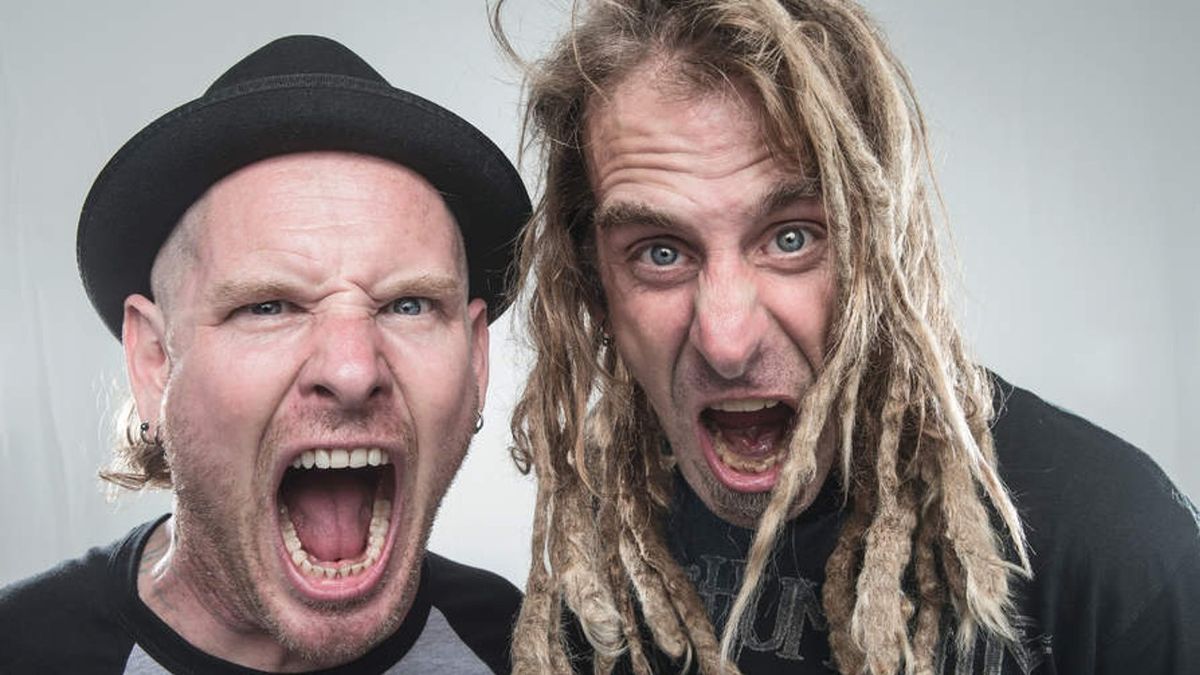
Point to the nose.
(729, 322)
(346, 366)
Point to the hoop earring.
(143, 428)
(478, 421)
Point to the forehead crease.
(669, 135)
(784, 193)
(709, 137)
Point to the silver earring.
(478, 421)
(143, 428)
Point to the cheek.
(231, 392)
(651, 329)
(804, 309)
(441, 397)
(651, 334)
(437, 384)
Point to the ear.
(477, 318)
(147, 363)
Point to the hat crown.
(302, 93)
(294, 55)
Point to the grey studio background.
(1064, 133)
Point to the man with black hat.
(301, 265)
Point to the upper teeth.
(340, 459)
(745, 405)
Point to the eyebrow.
(781, 195)
(788, 192)
(624, 214)
(426, 284)
(239, 291)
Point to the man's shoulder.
(1115, 544)
(1045, 449)
(470, 594)
(480, 606)
(66, 616)
(443, 570)
(1086, 495)
(58, 588)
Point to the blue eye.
(410, 306)
(268, 308)
(791, 239)
(662, 255)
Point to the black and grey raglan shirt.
(85, 616)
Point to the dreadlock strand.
(657, 609)
(972, 545)
(633, 513)
(930, 591)
(682, 594)
(633, 638)
(964, 443)
(846, 414)
(534, 631)
(878, 624)
(585, 593)
(838, 591)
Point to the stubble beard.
(738, 508)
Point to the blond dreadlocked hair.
(908, 410)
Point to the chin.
(324, 639)
(324, 632)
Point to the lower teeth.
(742, 463)
(380, 521)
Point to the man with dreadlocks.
(760, 442)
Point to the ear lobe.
(477, 318)
(144, 337)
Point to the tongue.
(331, 511)
(751, 434)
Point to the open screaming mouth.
(749, 435)
(335, 510)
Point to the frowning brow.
(237, 292)
(242, 291)
(430, 285)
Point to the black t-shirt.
(85, 616)
(1115, 554)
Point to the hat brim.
(147, 186)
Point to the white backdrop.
(1065, 135)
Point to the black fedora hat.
(299, 93)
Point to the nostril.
(323, 391)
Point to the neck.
(177, 588)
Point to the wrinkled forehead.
(678, 78)
(373, 213)
(314, 192)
